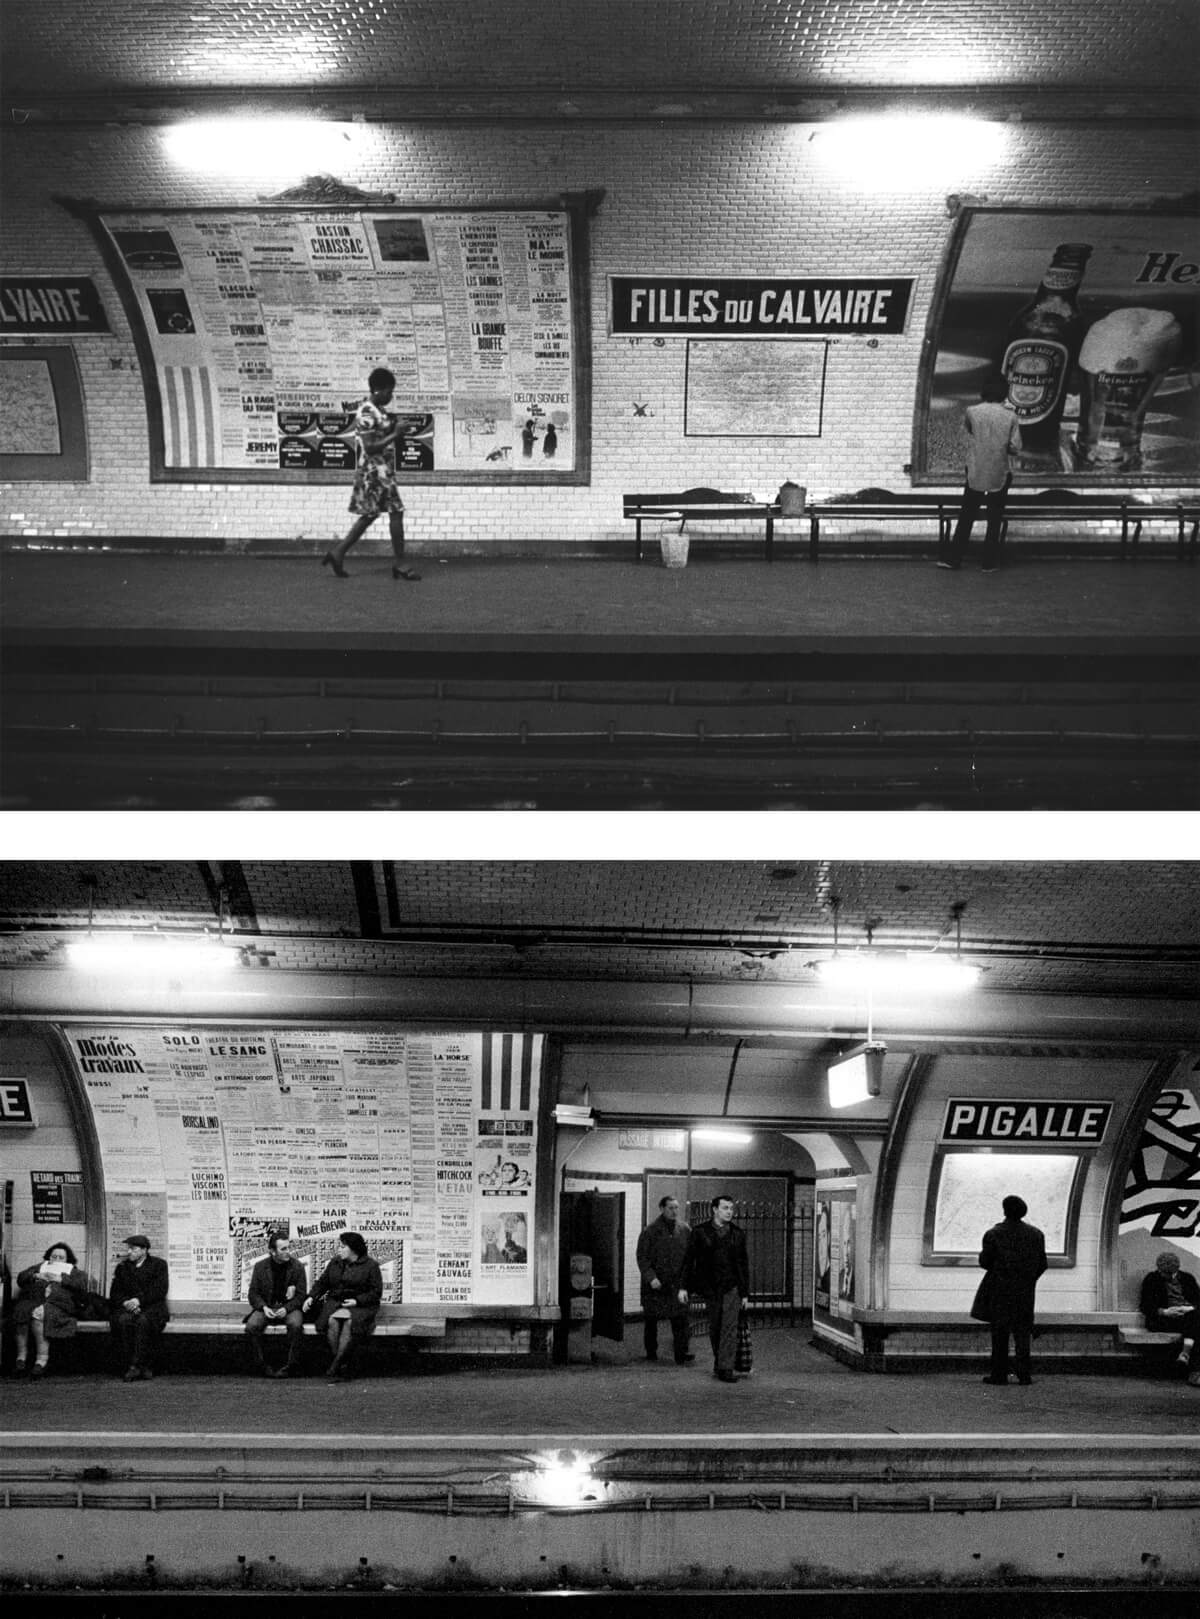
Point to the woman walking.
(375, 488)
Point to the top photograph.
(589, 407)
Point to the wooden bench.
(208, 1318)
(1047, 505)
(702, 506)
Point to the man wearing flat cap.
(137, 1303)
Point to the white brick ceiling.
(1040, 927)
(66, 48)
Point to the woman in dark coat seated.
(51, 1296)
(349, 1291)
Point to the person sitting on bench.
(1170, 1302)
(278, 1285)
(137, 1302)
(349, 1292)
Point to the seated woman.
(50, 1298)
(349, 1291)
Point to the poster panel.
(1091, 316)
(261, 326)
(835, 1228)
(421, 1142)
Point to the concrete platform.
(805, 1474)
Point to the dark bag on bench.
(791, 499)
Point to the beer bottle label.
(1036, 369)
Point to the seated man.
(138, 1305)
(278, 1288)
(1170, 1302)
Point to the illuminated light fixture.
(911, 150)
(731, 1138)
(151, 955)
(254, 146)
(857, 1074)
(909, 970)
(562, 1478)
(569, 1113)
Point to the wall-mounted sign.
(16, 1104)
(755, 306)
(1023, 1122)
(57, 1196)
(35, 305)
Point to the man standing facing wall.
(1014, 1256)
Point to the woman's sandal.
(330, 561)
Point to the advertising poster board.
(1091, 315)
(258, 328)
(421, 1142)
(835, 1231)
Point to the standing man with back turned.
(661, 1255)
(718, 1268)
(1014, 1256)
(993, 438)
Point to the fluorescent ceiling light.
(911, 151)
(732, 1138)
(149, 954)
(915, 970)
(251, 146)
(857, 1075)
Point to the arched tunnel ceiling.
(1052, 928)
(483, 59)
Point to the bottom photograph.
(673, 1231)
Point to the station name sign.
(16, 1104)
(971, 1120)
(753, 306)
(32, 305)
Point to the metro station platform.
(218, 681)
(637, 1476)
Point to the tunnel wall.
(715, 199)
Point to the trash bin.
(673, 542)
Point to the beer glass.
(1123, 359)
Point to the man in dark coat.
(718, 1268)
(1014, 1256)
(1170, 1302)
(278, 1286)
(138, 1304)
(661, 1255)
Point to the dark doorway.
(593, 1223)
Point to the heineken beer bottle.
(1040, 353)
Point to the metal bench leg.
(770, 538)
(814, 537)
(638, 542)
